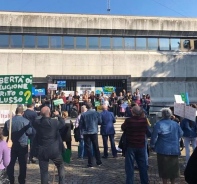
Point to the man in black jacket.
(31, 115)
(49, 143)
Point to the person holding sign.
(189, 134)
(20, 130)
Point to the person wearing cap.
(135, 129)
(20, 130)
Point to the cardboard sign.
(179, 109)
(58, 102)
(190, 113)
(52, 87)
(15, 89)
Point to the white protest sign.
(179, 109)
(52, 87)
(4, 116)
(68, 92)
(178, 99)
(190, 113)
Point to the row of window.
(90, 43)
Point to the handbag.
(66, 154)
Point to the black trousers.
(88, 139)
(31, 138)
(44, 164)
(21, 153)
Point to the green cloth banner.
(16, 89)
(58, 102)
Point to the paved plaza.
(111, 172)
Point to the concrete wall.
(96, 21)
(160, 75)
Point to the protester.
(189, 135)
(107, 130)
(190, 172)
(88, 123)
(50, 145)
(21, 129)
(135, 129)
(165, 142)
(4, 158)
(80, 135)
(66, 130)
(31, 115)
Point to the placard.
(190, 113)
(52, 87)
(15, 89)
(178, 99)
(83, 86)
(58, 102)
(4, 116)
(179, 109)
(61, 84)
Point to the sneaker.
(89, 166)
(99, 164)
(104, 156)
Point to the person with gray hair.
(165, 142)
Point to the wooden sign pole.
(10, 127)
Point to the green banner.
(183, 96)
(16, 89)
(58, 102)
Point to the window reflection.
(175, 44)
(80, 42)
(140, 43)
(42, 41)
(152, 44)
(93, 43)
(4, 41)
(105, 43)
(55, 42)
(117, 44)
(129, 43)
(29, 41)
(164, 44)
(16, 41)
(68, 42)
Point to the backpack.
(74, 113)
(77, 134)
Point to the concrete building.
(155, 54)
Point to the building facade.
(158, 55)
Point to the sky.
(168, 8)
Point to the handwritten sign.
(179, 109)
(4, 116)
(190, 113)
(178, 99)
(58, 102)
(15, 89)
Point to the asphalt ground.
(111, 172)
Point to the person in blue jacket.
(107, 130)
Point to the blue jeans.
(105, 145)
(187, 141)
(81, 148)
(137, 154)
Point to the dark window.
(187, 44)
(93, 43)
(29, 41)
(16, 41)
(117, 44)
(175, 44)
(68, 42)
(4, 41)
(140, 43)
(195, 44)
(55, 42)
(129, 43)
(80, 42)
(42, 41)
(164, 44)
(152, 44)
(105, 43)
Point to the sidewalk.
(111, 172)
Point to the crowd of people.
(47, 127)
